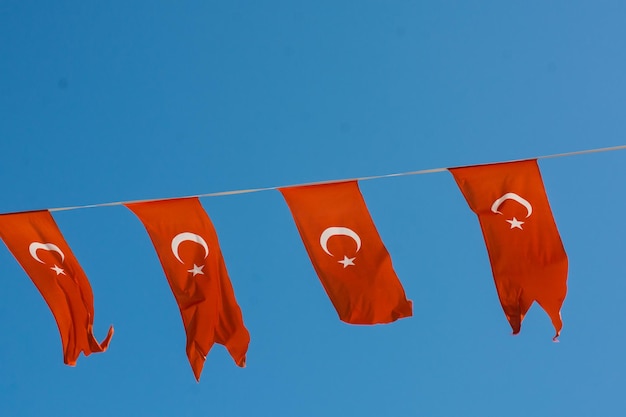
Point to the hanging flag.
(347, 252)
(525, 250)
(38, 245)
(187, 246)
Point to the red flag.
(347, 252)
(525, 250)
(38, 245)
(187, 246)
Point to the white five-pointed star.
(196, 270)
(58, 270)
(515, 223)
(347, 261)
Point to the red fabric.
(38, 245)
(347, 252)
(527, 256)
(187, 246)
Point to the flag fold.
(527, 257)
(187, 246)
(36, 242)
(347, 252)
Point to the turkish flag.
(347, 252)
(38, 245)
(187, 246)
(526, 254)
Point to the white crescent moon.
(192, 237)
(45, 246)
(338, 231)
(514, 197)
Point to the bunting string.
(364, 289)
(367, 178)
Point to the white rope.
(373, 177)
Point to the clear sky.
(137, 100)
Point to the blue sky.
(118, 101)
